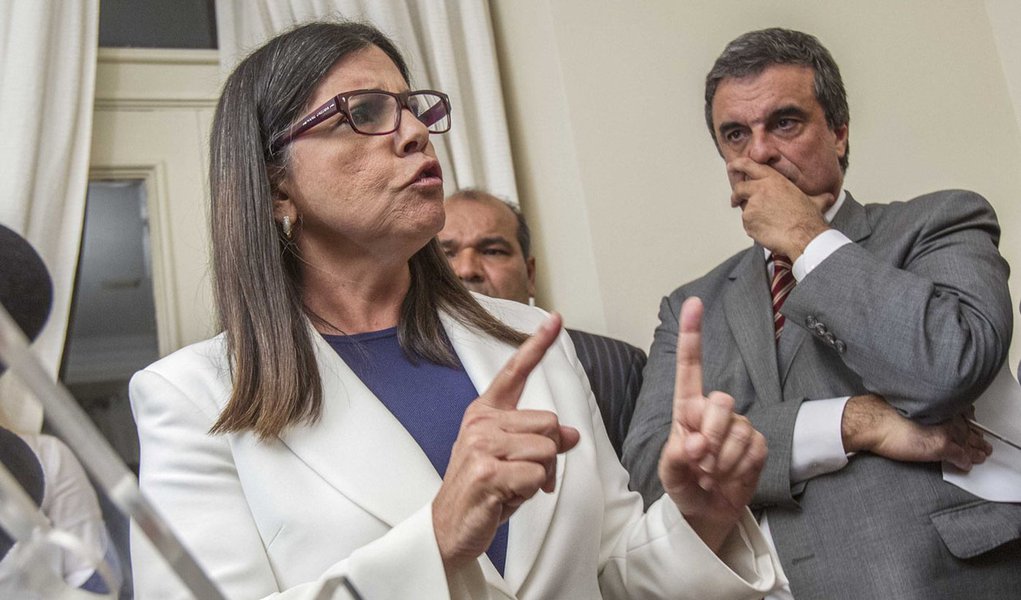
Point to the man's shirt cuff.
(818, 446)
(818, 250)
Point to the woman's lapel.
(360, 448)
(482, 358)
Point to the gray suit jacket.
(917, 310)
(614, 370)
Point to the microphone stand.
(18, 514)
(26, 523)
(119, 484)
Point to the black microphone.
(19, 459)
(27, 293)
(26, 290)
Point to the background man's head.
(488, 244)
(752, 53)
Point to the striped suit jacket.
(614, 370)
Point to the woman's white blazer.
(351, 495)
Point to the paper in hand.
(999, 477)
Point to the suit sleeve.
(191, 478)
(632, 387)
(925, 324)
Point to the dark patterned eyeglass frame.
(436, 113)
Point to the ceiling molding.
(157, 79)
(154, 56)
(147, 103)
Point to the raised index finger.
(504, 391)
(688, 381)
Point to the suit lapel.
(750, 317)
(791, 339)
(852, 221)
(360, 448)
(364, 452)
(482, 358)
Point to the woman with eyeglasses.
(363, 415)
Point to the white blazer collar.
(360, 448)
(364, 452)
(483, 357)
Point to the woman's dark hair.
(751, 53)
(257, 271)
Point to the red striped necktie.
(782, 284)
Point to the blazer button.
(830, 338)
(810, 321)
(820, 328)
(841, 346)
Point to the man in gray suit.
(892, 320)
(488, 243)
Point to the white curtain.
(47, 80)
(448, 45)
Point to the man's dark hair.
(524, 234)
(751, 53)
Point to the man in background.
(854, 337)
(488, 244)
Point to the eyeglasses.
(376, 112)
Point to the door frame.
(149, 85)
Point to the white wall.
(618, 174)
(1005, 18)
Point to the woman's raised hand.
(501, 458)
(712, 459)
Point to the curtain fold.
(449, 46)
(47, 82)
